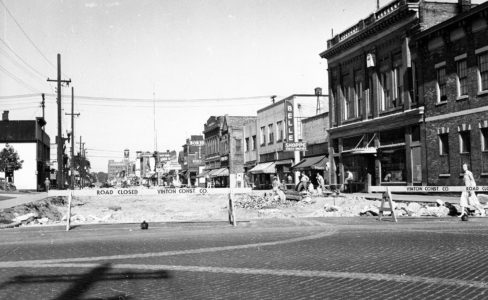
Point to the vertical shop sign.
(289, 118)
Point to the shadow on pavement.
(83, 282)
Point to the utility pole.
(43, 106)
(72, 164)
(59, 138)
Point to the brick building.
(453, 77)
(224, 150)
(376, 112)
(278, 124)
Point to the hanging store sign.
(296, 146)
(289, 118)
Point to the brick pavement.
(360, 259)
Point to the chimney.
(5, 115)
(464, 5)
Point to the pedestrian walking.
(348, 181)
(276, 183)
(469, 197)
(320, 182)
(47, 183)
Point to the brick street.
(326, 258)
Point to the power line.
(27, 36)
(14, 77)
(21, 59)
(175, 100)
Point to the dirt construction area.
(194, 208)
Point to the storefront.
(219, 177)
(261, 175)
(311, 166)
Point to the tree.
(82, 165)
(9, 160)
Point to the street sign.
(294, 146)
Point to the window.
(347, 103)
(279, 129)
(462, 77)
(397, 87)
(484, 139)
(483, 71)
(385, 93)
(444, 144)
(253, 142)
(441, 84)
(358, 95)
(444, 154)
(270, 134)
(246, 141)
(263, 136)
(238, 145)
(464, 141)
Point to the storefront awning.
(312, 163)
(284, 162)
(203, 174)
(264, 168)
(219, 172)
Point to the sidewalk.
(20, 198)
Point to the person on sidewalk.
(47, 184)
(348, 182)
(320, 182)
(469, 197)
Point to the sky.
(142, 69)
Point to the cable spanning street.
(325, 258)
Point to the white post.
(232, 216)
(68, 217)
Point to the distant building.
(279, 131)
(316, 158)
(192, 158)
(250, 149)
(32, 144)
(376, 107)
(224, 153)
(116, 169)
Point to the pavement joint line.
(27, 263)
(284, 272)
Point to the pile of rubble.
(267, 200)
(46, 211)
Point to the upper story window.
(397, 87)
(358, 94)
(441, 83)
(263, 135)
(385, 92)
(253, 142)
(270, 134)
(484, 139)
(483, 69)
(462, 75)
(247, 146)
(465, 141)
(444, 144)
(279, 130)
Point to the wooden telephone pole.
(59, 138)
(72, 153)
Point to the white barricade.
(162, 192)
(427, 189)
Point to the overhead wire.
(32, 69)
(27, 36)
(18, 80)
